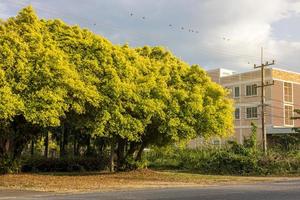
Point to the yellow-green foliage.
(39, 73)
(52, 72)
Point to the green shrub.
(41, 164)
(132, 164)
(234, 159)
(9, 165)
(165, 157)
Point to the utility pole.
(263, 105)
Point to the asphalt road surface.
(262, 191)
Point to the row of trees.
(78, 86)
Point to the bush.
(41, 164)
(131, 164)
(164, 158)
(226, 162)
(9, 165)
(234, 159)
(219, 161)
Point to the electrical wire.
(225, 52)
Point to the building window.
(237, 113)
(288, 114)
(236, 91)
(251, 112)
(251, 90)
(288, 92)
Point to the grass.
(103, 181)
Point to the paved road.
(263, 191)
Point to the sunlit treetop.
(51, 73)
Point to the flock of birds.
(182, 28)
(171, 25)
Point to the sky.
(211, 33)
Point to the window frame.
(285, 117)
(239, 93)
(253, 87)
(239, 113)
(251, 117)
(291, 96)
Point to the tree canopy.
(70, 80)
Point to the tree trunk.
(32, 148)
(88, 144)
(120, 153)
(64, 141)
(4, 145)
(75, 144)
(140, 152)
(132, 149)
(112, 152)
(101, 146)
(77, 153)
(46, 145)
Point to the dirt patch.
(103, 181)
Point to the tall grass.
(233, 159)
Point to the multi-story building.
(281, 99)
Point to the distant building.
(281, 98)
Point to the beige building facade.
(281, 99)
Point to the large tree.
(38, 78)
(79, 85)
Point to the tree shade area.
(71, 86)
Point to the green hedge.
(9, 165)
(41, 164)
(233, 160)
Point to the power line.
(262, 86)
(49, 11)
(93, 23)
(243, 57)
(269, 99)
(117, 28)
(103, 24)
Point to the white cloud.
(246, 25)
(3, 11)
